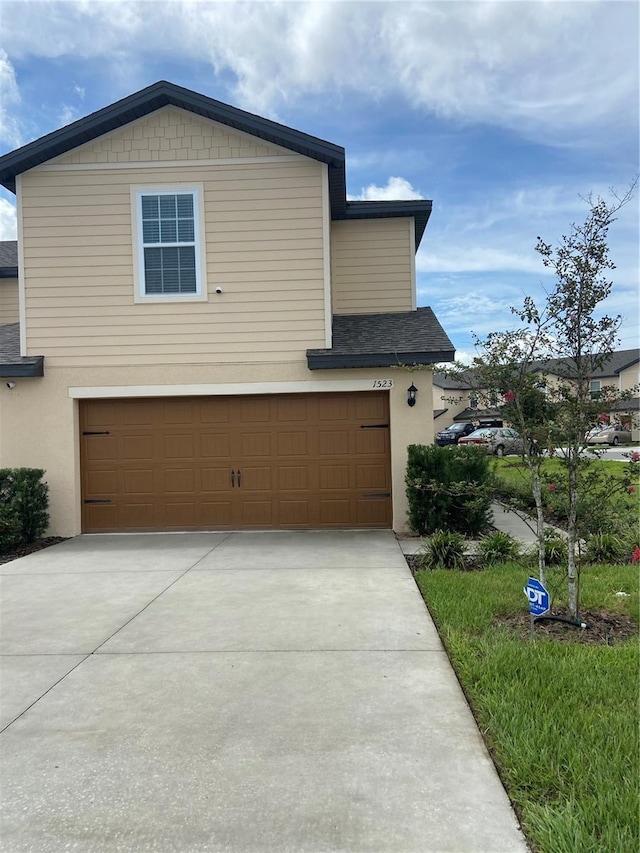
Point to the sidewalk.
(503, 519)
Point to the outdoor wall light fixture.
(411, 392)
(11, 385)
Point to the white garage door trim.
(230, 389)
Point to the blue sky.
(503, 113)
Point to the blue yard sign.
(538, 597)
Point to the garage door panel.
(215, 445)
(139, 481)
(100, 447)
(372, 477)
(215, 479)
(292, 443)
(179, 480)
(371, 442)
(136, 447)
(294, 513)
(255, 444)
(256, 513)
(334, 408)
(336, 512)
(334, 477)
(216, 514)
(139, 413)
(313, 460)
(293, 477)
(371, 512)
(333, 443)
(178, 412)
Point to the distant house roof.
(441, 380)
(8, 258)
(11, 363)
(384, 340)
(619, 361)
(162, 94)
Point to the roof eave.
(149, 100)
(21, 369)
(334, 361)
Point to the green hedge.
(448, 488)
(24, 506)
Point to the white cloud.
(9, 126)
(8, 226)
(553, 71)
(396, 189)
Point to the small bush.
(498, 547)
(443, 550)
(605, 548)
(24, 506)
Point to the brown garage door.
(227, 463)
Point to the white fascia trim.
(412, 247)
(326, 257)
(229, 389)
(170, 164)
(22, 302)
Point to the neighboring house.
(209, 335)
(456, 402)
(621, 372)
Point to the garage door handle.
(239, 478)
(233, 478)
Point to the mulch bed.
(604, 627)
(31, 548)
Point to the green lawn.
(559, 718)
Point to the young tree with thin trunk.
(543, 369)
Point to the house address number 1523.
(382, 383)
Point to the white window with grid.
(169, 251)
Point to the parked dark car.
(453, 433)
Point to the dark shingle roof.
(162, 94)
(441, 380)
(8, 258)
(384, 340)
(616, 364)
(11, 363)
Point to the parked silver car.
(500, 441)
(613, 434)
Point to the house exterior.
(202, 333)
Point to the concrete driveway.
(235, 692)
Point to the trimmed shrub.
(443, 550)
(448, 488)
(24, 506)
(498, 547)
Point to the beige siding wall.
(264, 247)
(52, 442)
(372, 266)
(9, 300)
(630, 377)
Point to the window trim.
(594, 393)
(197, 191)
